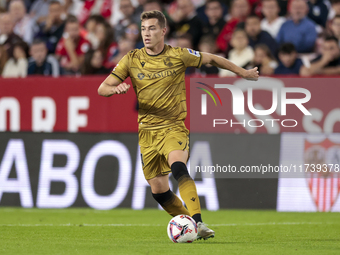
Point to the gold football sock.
(187, 189)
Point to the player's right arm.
(112, 85)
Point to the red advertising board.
(70, 104)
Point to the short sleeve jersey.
(159, 83)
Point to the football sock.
(197, 217)
(187, 189)
(170, 203)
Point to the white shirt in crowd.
(274, 27)
(14, 69)
(238, 58)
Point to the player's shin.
(187, 189)
(170, 203)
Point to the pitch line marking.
(158, 225)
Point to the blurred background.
(62, 145)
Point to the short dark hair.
(37, 41)
(335, 1)
(271, 0)
(71, 19)
(331, 38)
(287, 48)
(253, 16)
(54, 2)
(212, 1)
(154, 15)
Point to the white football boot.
(204, 232)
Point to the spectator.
(258, 36)
(107, 45)
(272, 22)
(202, 14)
(23, 23)
(241, 54)
(335, 27)
(318, 12)
(207, 44)
(39, 10)
(40, 63)
(130, 16)
(3, 58)
(124, 46)
(300, 30)
(328, 63)
(187, 21)
(93, 63)
(132, 33)
(215, 23)
(335, 9)
(52, 29)
(91, 7)
(90, 27)
(264, 60)
(289, 63)
(16, 66)
(72, 47)
(239, 10)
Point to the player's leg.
(177, 161)
(187, 189)
(165, 197)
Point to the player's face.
(152, 33)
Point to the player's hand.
(251, 75)
(121, 88)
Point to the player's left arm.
(224, 63)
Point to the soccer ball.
(182, 229)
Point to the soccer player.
(157, 75)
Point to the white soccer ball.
(182, 229)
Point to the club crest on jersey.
(168, 62)
(141, 76)
(193, 52)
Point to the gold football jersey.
(158, 81)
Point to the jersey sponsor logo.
(141, 76)
(168, 62)
(161, 74)
(193, 52)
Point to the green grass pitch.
(125, 231)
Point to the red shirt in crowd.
(82, 47)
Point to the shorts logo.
(141, 76)
(180, 143)
(193, 52)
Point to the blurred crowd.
(87, 37)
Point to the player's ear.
(164, 31)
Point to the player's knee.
(179, 169)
